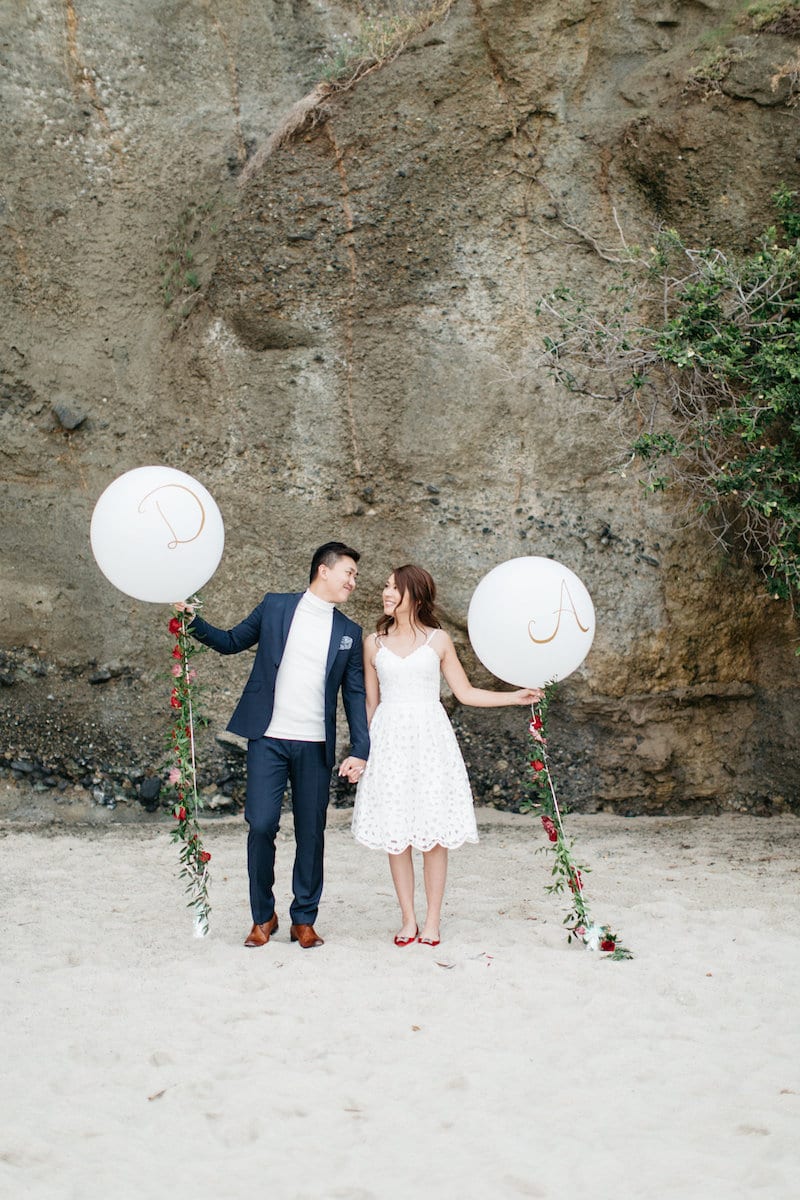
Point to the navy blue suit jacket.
(268, 625)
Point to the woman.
(414, 790)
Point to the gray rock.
(231, 741)
(149, 792)
(218, 802)
(68, 415)
(754, 74)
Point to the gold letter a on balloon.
(561, 609)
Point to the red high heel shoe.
(406, 941)
(428, 941)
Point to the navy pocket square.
(345, 643)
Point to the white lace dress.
(415, 790)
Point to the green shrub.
(716, 379)
(379, 38)
(772, 12)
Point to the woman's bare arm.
(463, 690)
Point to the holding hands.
(352, 769)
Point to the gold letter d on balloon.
(561, 609)
(175, 541)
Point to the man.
(307, 652)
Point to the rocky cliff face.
(338, 336)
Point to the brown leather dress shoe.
(259, 935)
(306, 936)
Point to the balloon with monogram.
(157, 535)
(531, 622)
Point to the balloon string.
(191, 718)
(200, 930)
(577, 879)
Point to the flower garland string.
(568, 873)
(183, 777)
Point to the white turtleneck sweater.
(299, 712)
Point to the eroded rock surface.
(346, 345)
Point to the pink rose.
(174, 775)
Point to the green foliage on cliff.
(766, 14)
(714, 372)
(730, 41)
(379, 37)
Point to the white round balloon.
(531, 621)
(157, 534)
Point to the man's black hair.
(329, 554)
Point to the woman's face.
(393, 602)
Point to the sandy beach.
(142, 1062)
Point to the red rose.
(607, 944)
(575, 883)
(180, 815)
(177, 652)
(175, 626)
(175, 699)
(550, 828)
(205, 857)
(537, 764)
(536, 723)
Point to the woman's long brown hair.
(421, 590)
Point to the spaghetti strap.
(430, 636)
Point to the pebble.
(67, 416)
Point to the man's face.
(335, 583)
